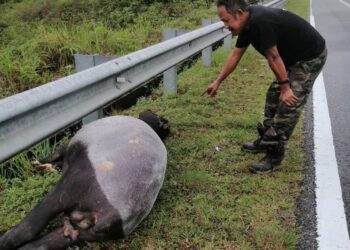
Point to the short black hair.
(232, 5)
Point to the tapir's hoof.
(69, 231)
(45, 168)
(83, 220)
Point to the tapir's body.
(128, 159)
(113, 170)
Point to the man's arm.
(228, 68)
(277, 66)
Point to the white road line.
(346, 3)
(331, 220)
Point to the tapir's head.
(159, 124)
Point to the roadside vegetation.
(39, 38)
(209, 199)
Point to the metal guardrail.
(30, 116)
(274, 3)
(33, 115)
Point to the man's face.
(235, 22)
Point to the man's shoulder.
(260, 13)
(261, 10)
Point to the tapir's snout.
(159, 124)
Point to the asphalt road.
(332, 18)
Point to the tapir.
(112, 172)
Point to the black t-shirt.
(295, 38)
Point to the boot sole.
(272, 143)
(254, 171)
(253, 151)
(275, 167)
(269, 143)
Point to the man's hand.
(287, 96)
(211, 89)
(279, 69)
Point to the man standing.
(295, 52)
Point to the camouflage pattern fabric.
(302, 76)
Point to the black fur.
(76, 190)
(159, 124)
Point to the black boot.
(256, 147)
(273, 158)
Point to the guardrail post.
(83, 62)
(170, 75)
(228, 42)
(207, 52)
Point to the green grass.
(42, 36)
(301, 8)
(209, 199)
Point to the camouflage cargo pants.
(302, 76)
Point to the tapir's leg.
(108, 227)
(77, 189)
(53, 240)
(56, 158)
(36, 220)
(56, 240)
(104, 223)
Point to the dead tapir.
(113, 169)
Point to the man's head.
(234, 14)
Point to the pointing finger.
(205, 91)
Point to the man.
(295, 52)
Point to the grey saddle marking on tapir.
(113, 170)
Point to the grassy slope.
(35, 49)
(209, 200)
